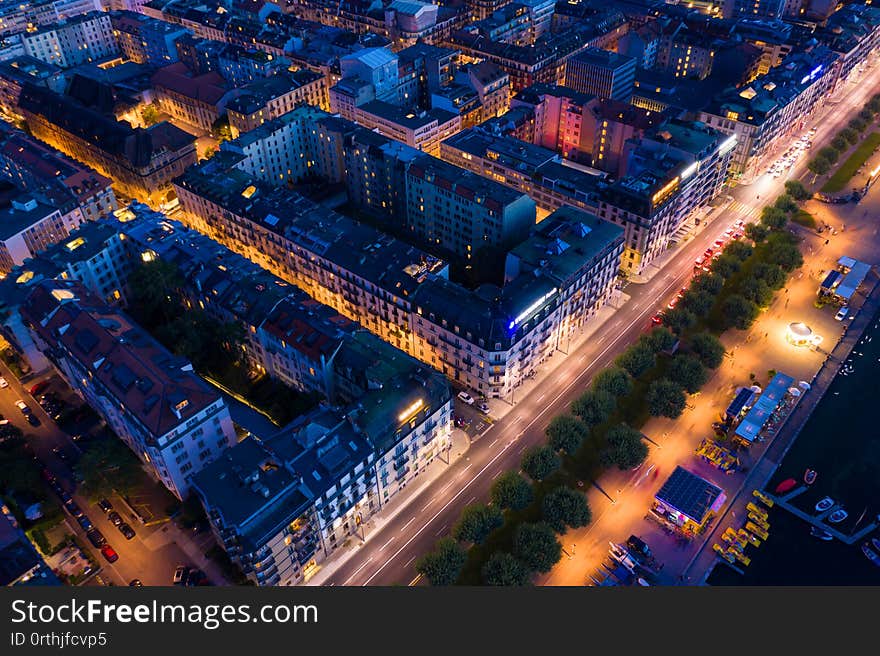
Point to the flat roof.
(689, 494)
(764, 407)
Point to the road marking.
(409, 561)
(366, 562)
(541, 397)
(443, 528)
(411, 520)
(386, 544)
(415, 580)
(471, 500)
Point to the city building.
(601, 73)
(240, 66)
(419, 129)
(70, 42)
(28, 226)
(267, 99)
(141, 162)
(197, 100)
(18, 71)
(171, 419)
(18, 16)
(688, 501)
(146, 40)
(20, 563)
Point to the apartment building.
(28, 226)
(141, 162)
(601, 73)
(74, 41)
(419, 129)
(17, 15)
(146, 40)
(269, 98)
(241, 66)
(171, 419)
(197, 100)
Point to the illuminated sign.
(728, 145)
(689, 171)
(813, 74)
(667, 188)
(534, 306)
(411, 410)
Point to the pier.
(819, 520)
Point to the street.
(388, 556)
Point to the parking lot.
(469, 417)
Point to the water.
(841, 441)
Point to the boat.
(785, 486)
(824, 504)
(876, 543)
(819, 533)
(810, 476)
(838, 516)
(870, 554)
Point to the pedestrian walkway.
(460, 446)
(746, 211)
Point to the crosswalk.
(746, 211)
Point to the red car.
(39, 387)
(109, 553)
(657, 319)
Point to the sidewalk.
(460, 446)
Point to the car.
(699, 261)
(64, 496)
(195, 577)
(33, 420)
(84, 522)
(114, 517)
(467, 398)
(3, 420)
(841, 313)
(675, 301)
(39, 387)
(3, 383)
(96, 537)
(73, 509)
(483, 407)
(719, 243)
(21, 405)
(126, 531)
(180, 575)
(109, 553)
(657, 319)
(105, 505)
(135, 583)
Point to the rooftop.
(689, 494)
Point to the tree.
(679, 319)
(566, 433)
(108, 466)
(830, 153)
(858, 125)
(756, 232)
(476, 522)
(565, 507)
(536, 545)
(221, 129)
(770, 273)
(210, 345)
(725, 266)
(850, 135)
(660, 339)
(505, 569)
(840, 143)
(757, 291)
(698, 302)
(819, 165)
(866, 115)
(689, 372)
(442, 565)
(797, 190)
(150, 115)
(510, 490)
(625, 448)
(154, 293)
(593, 407)
(785, 203)
(773, 218)
(665, 398)
(614, 381)
(874, 105)
(636, 360)
(785, 253)
(707, 282)
(539, 462)
(740, 250)
(738, 312)
(709, 349)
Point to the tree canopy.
(510, 490)
(539, 462)
(442, 565)
(614, 381)
(593, 407)
(476, 522)
(688, 371)
(566, 433)
(536, 545)
(563, 507)
(708, 348)
(505, 569)
(636, 360)
(624, 448)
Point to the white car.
(467, 398)
(3, 383)
(484, 407)
(21, 405)
(841, 313)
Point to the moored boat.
(785, 486)
(870, 554)
(838, 516)
(824, 504)
(819, 533)
(810, 476)
(876, 543)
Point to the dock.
(819, 520)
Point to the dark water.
(841, 442)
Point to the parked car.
(105, 505)
(96, 537)
(21, 405)
(73, 509)
(657, 319)
(483, 407)
(135, 583)
(84, 522)
(109, 553)
(841, 313)
(195, 577)
(126, 531)
(467, 398)
(39, 387)
(3, 383)
(32, 419)
(114, 517)
(180, 575)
